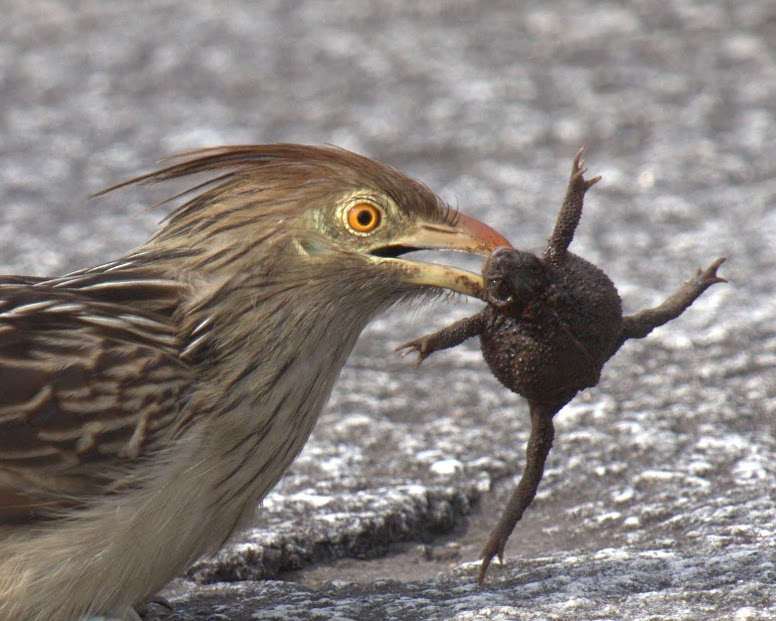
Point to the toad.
(550, 325)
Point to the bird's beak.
(466, 234)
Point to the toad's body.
(554, 341)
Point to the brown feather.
(300, 164)
(88, 386)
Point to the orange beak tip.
(489, 239)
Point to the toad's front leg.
(452, 335)
(640, 324)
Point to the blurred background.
(659, 490)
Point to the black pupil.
(365, 217)
(500, 289)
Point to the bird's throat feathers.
(298, 307)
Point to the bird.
(148, 404)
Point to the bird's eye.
(363, 217)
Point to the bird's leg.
(637, 326)
(539, 444)
(130, 614)
(571, 210)
(452, 335)
(158, 600)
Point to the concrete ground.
(658, 498)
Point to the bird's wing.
(87, 387)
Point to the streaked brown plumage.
(148, 404)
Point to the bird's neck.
(274, 356)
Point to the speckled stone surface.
(658, 499)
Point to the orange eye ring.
(364, 217)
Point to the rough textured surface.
(658, 497)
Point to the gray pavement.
(658, 499)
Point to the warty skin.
(148, 405)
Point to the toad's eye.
(500, 289)
(363, 217)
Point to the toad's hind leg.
(539, 445)
(571, 210)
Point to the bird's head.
(285, 253)
(293, 215)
